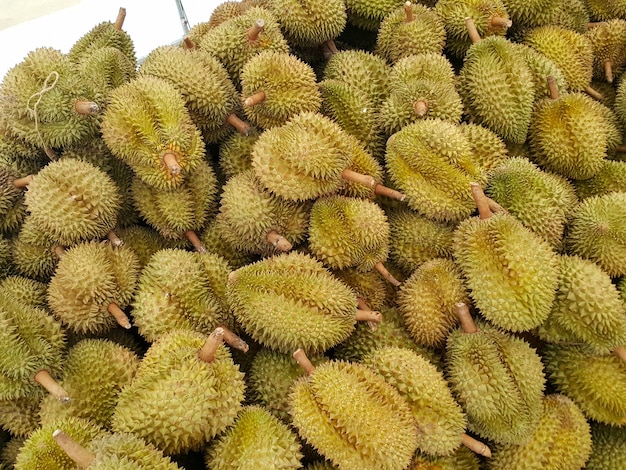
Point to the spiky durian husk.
(146, 119)
(427, 301)
(497, 88)
(143, 241)
(291, 301)
(187, 207)
(512, 273)
(611, 178)
(609, 447)
(620, 103)
(181, 290)
(453, 14)
(320, 466)
(398, 38)
(461, 459)
(324, 409)
(222, 12)
(498, 379)
(428, 66)
(214, 242)
(12, 208)
(368, 285)
(17, 154)
(10, 451)
(57, 123)
(562, 439)
(95, 371)
(41, 451)
(488, 148)
(541, 67)
(364, 163)
(229, 43)
(608, 40)
(107, 68)
(522, 11)
(21, 416)
(124, 451)
(541, 201)
(176, 401)
(256, 439)
(368, 15)
(5, 257)
(431, 162)
(33, 253)
(99, 37)
(235, 154)
(24, 290)
(595, 382)
(597, 232)
(70, 201)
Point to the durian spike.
(241, 126)
(361, 305)
(484, 211)
(279, 242)
(303, 361)
(23, 182)
(255, 99)
(81, 456)
(119, 315)
(465, 317)
(86, 108)
(233, 340)
(596, 95)
(499, 22)
(119, 21)
(471, 30)
(215, 339)
(368, 180)
(188, 44)
(553, 88)
(608, 71)
(59, 251)
(255, 30)
(380, 267)
(476, 446)
(44, 379)
(195, 241)
(114, 239)
(408, 9)
(420, 107)
(171, 162)
(621, 353)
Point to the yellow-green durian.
(597, 231)
(368, 15)
(611, 178)
(521, 11)
(365, 163)
(562, 439)
(488, 148)
(609, 447)
(497, 88)
(34, 253)
(541, 67)
(5, 257)
(601, 10)
(609, 50)
(21, 416)
(147, 125)
(256, 439)
(124, 451)
(103, 35)
(107, 68)
(10, 451)
(369, 286)
(143, 241)
(24, 290)
(352, 417)
(235, 154)
(461, 459)
(213, 241)
(12, 207)
(431, 162)
(541, 201)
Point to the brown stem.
(304, 361)
(495, 207)
(52, 155)
(553, 88)
(608, 71)
(119, 315)
(621, 353)
(355, 177)
(59, 251)
(361, 304)
(476, 446)
(81, 456)
(241, 126)
(465, 317)
(171, 162)
(471, 30)
(279, 242)
(119, 21)
(255, 99)
(595, 94)
(233, 340)
(215, 339)
(255, 30)
(114, 239)
(188, 44)
(232, 277)
(195, 241)
(381, 190)
(595, 24)
(482, 203)
(44, 379)
(330, 47)
(621, 148)
(86, 108)
(420, 108)
(380, 267)
(408, 9)
(499, 22)
(23, 182)
(368, 316)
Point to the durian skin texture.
(354, 418)
(21, 417)
(99, 37)
(611, 178)
(33, 253)
(291, 301)
(609, 447)
(462, 459)
(176, 401)
(5, 257)
(369, 14)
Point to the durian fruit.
(597, 232)
(292, 300)
(237, 40)
(352, 417)
(369, 15)
(602, 11)
(71, 201)
(12, 207)
(94, 371)
(92, 285)
(369, 286)
(609, 51)
(488, 148)
(608, 449)
(539, 200)
(10, 451)
(235, 154)
(34, 254)
(410, 30)
(512, 273)
(490, 17)
(276, 86)
(223, 12)
(21, 416)
(562, 439)
(461, 459)
(541, 67)
(611, 178)
(24, 290)
(497, 378)
(178, 289)
(184, 392)
(107, 68)
(595, 382)
(256, 221)
(143, 241)
(256, 439)
(427, 301)
(521, 11)
(431, 162)
(5, 257)
(213, 241)
(147, 125)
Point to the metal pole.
(183, 17)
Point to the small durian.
(609, 50)
(24, 290)
(34, 254)
(107, 68)
(611, 178)
(608, 449)
(21, 416)
(368, 15)
(235, 154)
(488, 148)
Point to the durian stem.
(255, 99)
(52, 155)
(381, 190)
(81, 456)
(553, 88)
(361, 305)
(368, 316)
(171, 162)
(380, 267)
(499, 22)
(408, 9)
(279, 242)
(608, 71)
(595, 94)
(195, 241)
(420, 108)
(465, 317)
(44, 379)
(303, 361)
(476, 446)
(355, 177)
(241, 126)
(595, 24)
(119, 315)
(215, 339)
(114, 239)
(188, 44)
(59, 251)
(621, 148)
(471, 30)
(119, 21)
(233, 340)
(495, 207)
(255, 30)
(86, 108)
(620, 352)
(23, 182)
(330, 47)
(484, 212)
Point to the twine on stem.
(33, 111)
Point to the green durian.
(488, 148)
(143, 241)
(609, 447)
(369, 15)
(541, 67)
(10, 451)
(522, 11)
(608, 40)
(562, 439)
(21, 416)
(177, 401)
(369, 286)
(147, 125)
(5, 257)
(611, 178)
(34, 254)
(620, 104)
(107, 68)
(222, 12)
(103, 35)
(462, 459)
(212, 239)
(364, 163)
(12, 207)
(24, 290)
(235, 154)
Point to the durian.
(368, 15)
(21, 416)
(24, 290)
(12, 207)
(609, 50)
(609, 447)
(235, 154)
(611, 178)
(488, 148)
(34, 254)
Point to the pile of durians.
(338, 234)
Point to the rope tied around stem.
(33, 111)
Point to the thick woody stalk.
(81, 456)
